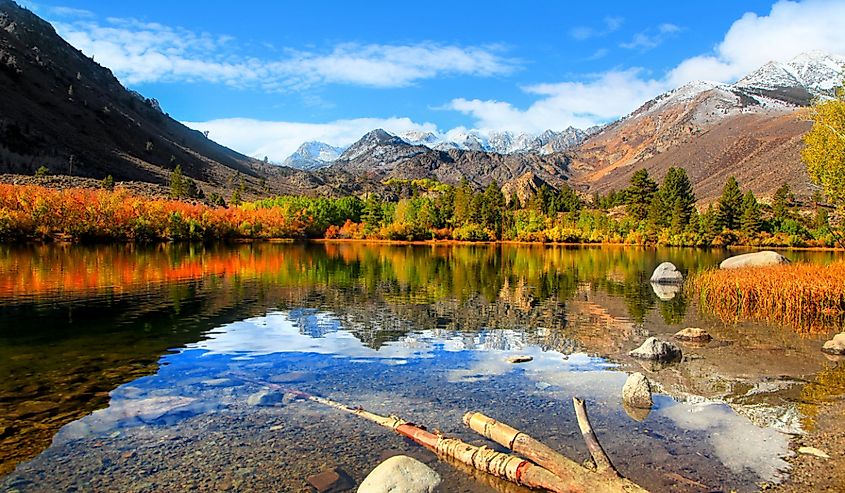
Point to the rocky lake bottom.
(170, 379)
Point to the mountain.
(313, 155)
(62, 110)
(379, 156)
(501, 142)
(806, 76)
(752, 129)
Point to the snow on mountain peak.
(313, 155)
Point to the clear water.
(131, 368)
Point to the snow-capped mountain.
(815, 71)
(313, 155)
(505, 142)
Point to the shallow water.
(130, 368)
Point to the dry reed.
(808, 297)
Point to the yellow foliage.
(824, 148)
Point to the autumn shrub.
(28, 211)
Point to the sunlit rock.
(835, 346)
(667, 273)
(756, 259)
(400, 473)
(637, 391)
(520, 358)
(693, 334)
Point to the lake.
(131, 368)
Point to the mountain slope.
(752, 129)
(60, 109)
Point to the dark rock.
(331, 481)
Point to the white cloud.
(652, 38)
(789, 29)
(580, 104)
(141, 52)
(279, 139)
(611, 24)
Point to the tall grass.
(34, 212)
(808, 297)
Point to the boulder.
(265, 398)
(693, 334)
(400, 473)
(756, 259)
(654, 349)
(667, 273)
(637, 391)
(835, 346)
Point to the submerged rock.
(654, 349)
(330, 481)
(835, 346)
(667, 273)
(637, 391)
(400, 474)
(521, 358)
(265, 398)
(756, 259)
(693, 334)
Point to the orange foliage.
(28, 211)
(810, 297)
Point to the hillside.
(61, 110)
(752, 129)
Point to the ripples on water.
(131, 368)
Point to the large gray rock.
(756, 259)
(400, 474)
(637, 391)
(654, 349)
(835, 346)
(664, 291)
(667, 273)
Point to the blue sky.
(264, 77)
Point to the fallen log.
(572, 475)
(509, 467)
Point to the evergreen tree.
(676, 193)
(372, 213)
(729, 208)
(782, 203)
(750, 221)
(494, 203)
(462, 204)
(638, 196)
(177, 183)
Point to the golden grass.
(808, 297)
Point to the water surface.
(130, 368)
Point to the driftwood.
(573, 476)
(600, 458)
(509, 467)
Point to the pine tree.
(729, 208)
(676, 192)
(371, 215)
(639, 195)
(177, 183)
(750, 221)
(462, 204)
(781, 203)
